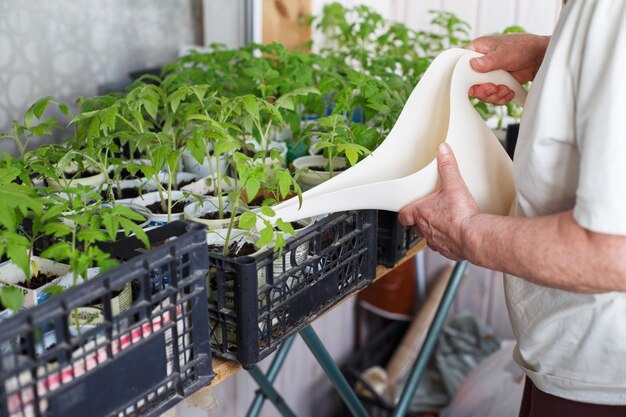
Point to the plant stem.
(169, 194)
(231, 224)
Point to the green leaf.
(11, 298)
(108, 117)
(131, 227)
(284, 182)
(223, 146)
(196, 146)
(94, 128)
(56, 229)
(252, 188)
(266, 236)
(285, 227)
(247, 220)
(251, 105)
(18, 254)
(59, 251)
(160, 156)
(151, 106)
(64, 109)
(8, 174)
(352, 156)
(268, 211)
(36, 110)
(279, 244)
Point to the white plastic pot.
(280, 146)
(205, 186)
(208, 168)
(93, 181)
(12, 275)
(153, 197)
(309, 178)
(284, 263)
(196, 209)
(141, 184)
(181, 177)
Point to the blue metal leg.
(334, 374)
(272, 373)
(270, 392)
(431, 340)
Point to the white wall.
(485, 16)
(224, 22)
(66, 48)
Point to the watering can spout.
(404, 168)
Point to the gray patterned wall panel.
(66, 48)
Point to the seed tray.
(137, 362)
(257, 302)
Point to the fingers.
(491, 93)
(483, 44)
(406, 217)
(448, 166)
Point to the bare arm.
(552, 250)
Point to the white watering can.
(404, 167)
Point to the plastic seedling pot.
(310, 175)
(196, 210)
(179, 199)
(131, 189)
(94, 180)
(182, 179)
(208, 168)
(280, 146)
(12, 275)
(206, 186)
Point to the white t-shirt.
(571, 154)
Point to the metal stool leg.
(332, 371)
(431, 340)
(272, 373)
(270, 392)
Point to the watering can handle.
(466, 76)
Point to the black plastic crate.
(394, 240)
(257, 302)
(140, 361)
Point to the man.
(566, 236)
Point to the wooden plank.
(282, 22)
(197, 12)
(225, 369)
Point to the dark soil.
(183, 183)
(325, 168)
(233, 250)
(215, 215)
(298, 225)
(126, 193)
(257, 201)
(78, 175)
(38, 281)
(156, 208)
